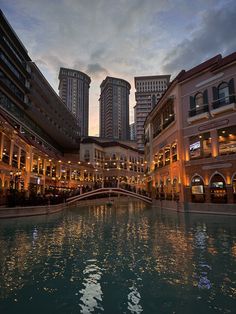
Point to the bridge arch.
(108, 191)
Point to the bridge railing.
(108, 191)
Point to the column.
(214, 143)
(11, 151)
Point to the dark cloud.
(95, 69)
(215, 35)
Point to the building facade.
(149, 90)
(114, 109)
(40, 146)
(74, 91)
(191, 139)
(114, 162)
(132, 131)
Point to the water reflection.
(91, 293)
(123, 259)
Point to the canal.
(126, 258)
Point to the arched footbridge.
(108, 192)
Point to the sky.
(121, 38)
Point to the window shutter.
(231, 90)
(215, 93)
(205, 97)
(192, 103)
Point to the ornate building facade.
(190, 139)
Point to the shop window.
(227, 140)
(197, 190)
(200, 146)
(167, 155)
(174, 152)
(218, 189)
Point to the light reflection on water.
(128, 258)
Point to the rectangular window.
(227, 140)
(200, 146)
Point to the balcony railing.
(158, 131)
(223, 101)
(198, 110)
(167, 122)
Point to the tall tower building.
(74, 91)
(132, 132)
(114, 109)
(149, 90)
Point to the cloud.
(121, 38)
(96, 70)
(215, 35)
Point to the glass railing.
(167, 122)
(221, 102)
(198, 110)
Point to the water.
(129, 258)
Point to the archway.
(218, 189)
(197, 190)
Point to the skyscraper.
(149, 90)
(74, 91)
(132, 130)
(114, 108)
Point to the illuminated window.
(227, 140)
(197, 190)
(218, 189)
(200, 146)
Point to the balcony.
(168, 121)
(223, 105)
(198, 113)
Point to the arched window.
(197, 190)
(199, 100)
(218, 189)
(223, 93)
(198, 103)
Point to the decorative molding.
(215, 77)
(213, 125)
(217, 166)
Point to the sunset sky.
(121, 38)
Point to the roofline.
(148, 77)
(69, 69)
(115, 78)
(14, 33)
